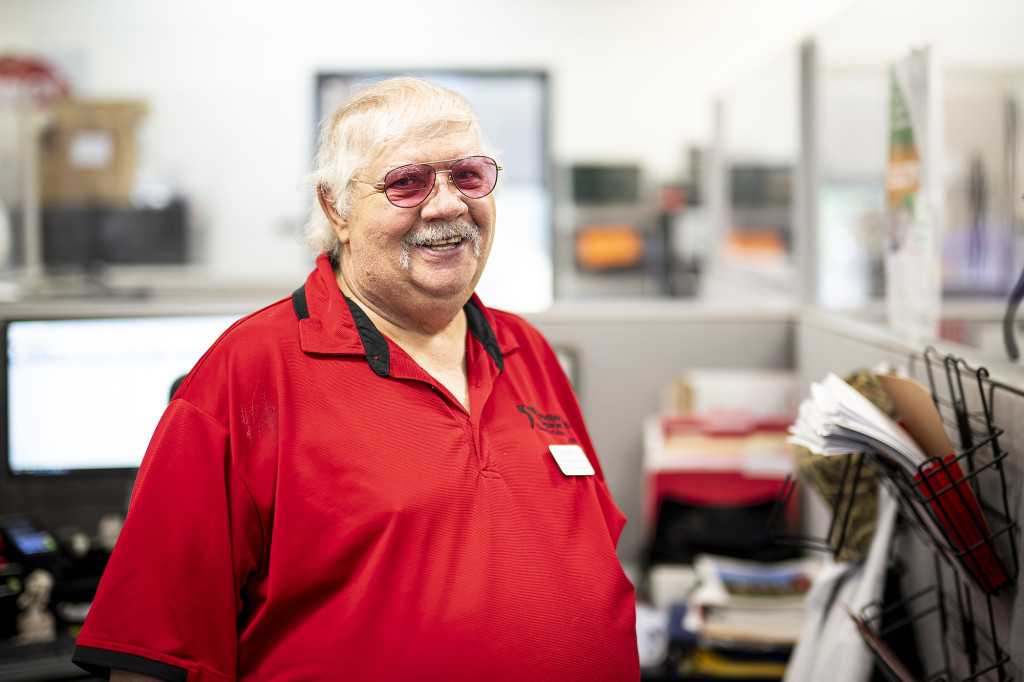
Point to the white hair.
(384, 113)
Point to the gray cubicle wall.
(827, 343)
(624, 351)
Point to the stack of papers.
(838, 420)
(742, 601)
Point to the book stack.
(744, 617)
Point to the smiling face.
(411, 264)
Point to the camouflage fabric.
(836, 480)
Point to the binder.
(952, 501)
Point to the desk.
(45, 662)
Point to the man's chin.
(444, 285)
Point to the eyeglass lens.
(408, 186)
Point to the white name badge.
(571, 460)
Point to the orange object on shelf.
(609, 247)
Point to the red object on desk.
(722, 476)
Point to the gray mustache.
(435, 231)
(446, 230)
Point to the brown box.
(87, 154)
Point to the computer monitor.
(604, 184)
(91, 238)
(85, 395)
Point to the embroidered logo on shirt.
(549, 423)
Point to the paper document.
(838, 420)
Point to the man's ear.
(340, 225)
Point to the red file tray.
(951, 499)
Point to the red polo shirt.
(314, 506)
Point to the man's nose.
(446, 201)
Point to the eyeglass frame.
(379, 185)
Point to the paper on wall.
(913, 189)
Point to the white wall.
(981, 34)
(230, 83)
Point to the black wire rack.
(961, 501)
(947, 612)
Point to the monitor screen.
(605, 184)
(86, 394)
(27, 539)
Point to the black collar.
(378, 354)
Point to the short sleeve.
(171, 596)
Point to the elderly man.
(377, 478)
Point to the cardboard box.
(87, 154)
(753, 392)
